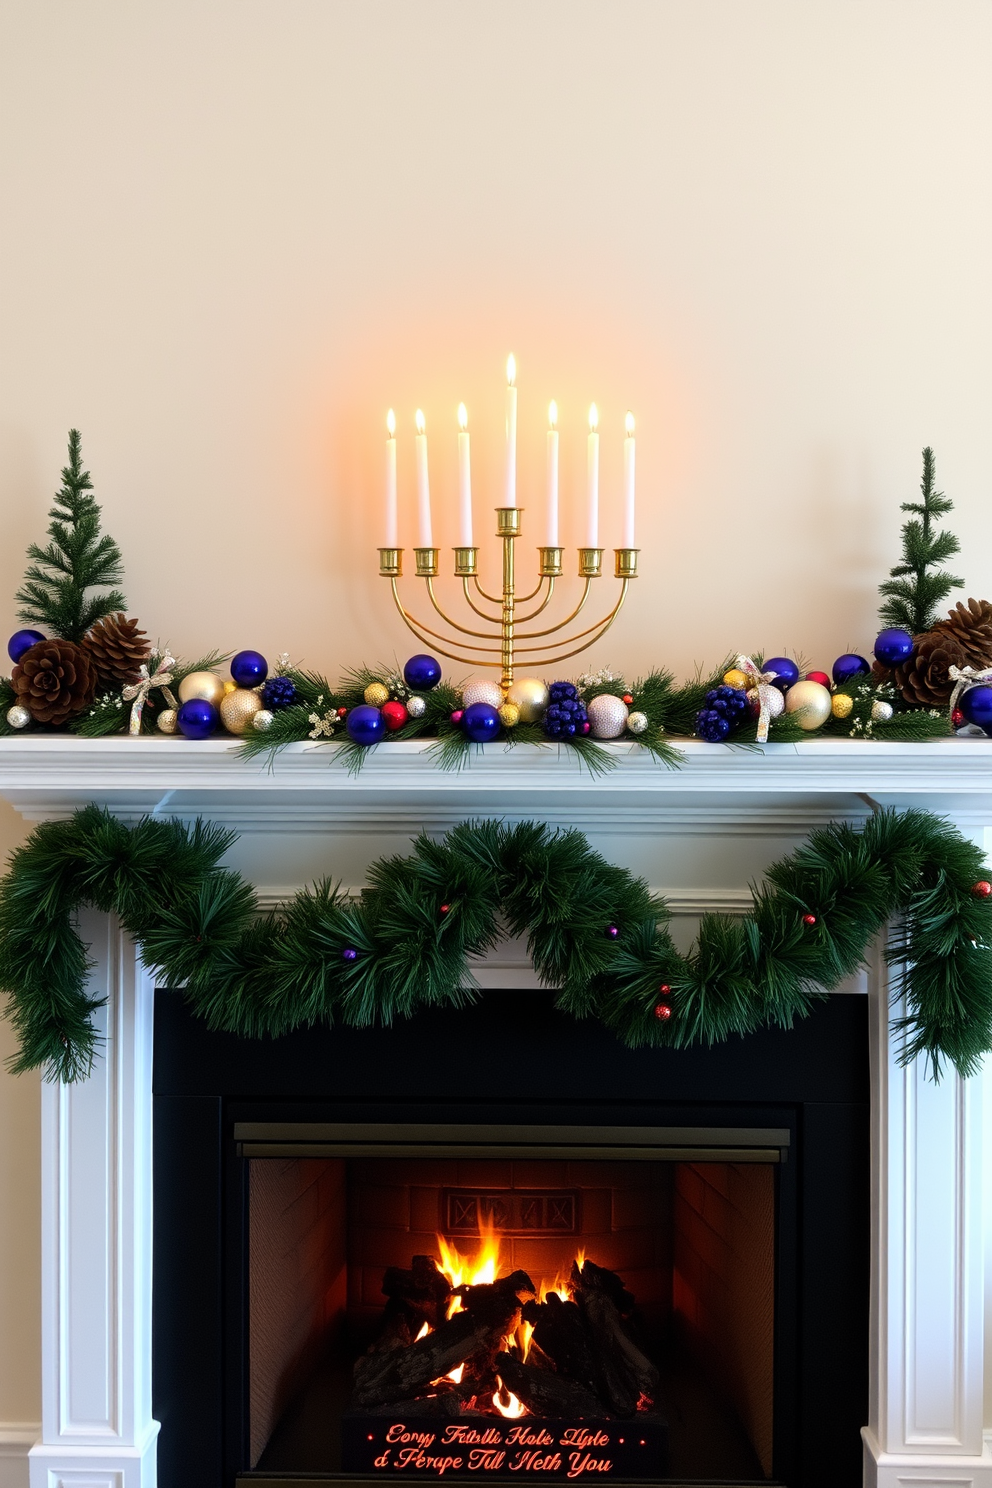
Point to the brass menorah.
(505, 621)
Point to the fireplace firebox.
(497, 1245)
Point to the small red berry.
(342, 712)
(663, 1011)
(664, 989)
(456, 716)
(445, 908)
(809, 919)
(628, 698)
(982, 889)
(957, 718)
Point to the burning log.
(560, 1332)
(624, 1373)
(423, 1290)
(546, 1394)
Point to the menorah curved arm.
(600, 628)
(497, 600)
(423, 631)
(495, 619)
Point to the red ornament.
(445, 908)
(957, 718)
(395, 715)
(820, 677)
(809, 919)
(342, 712)
(663, 1011)
(982, 889)
(627, 698)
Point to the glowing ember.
(506, 1402)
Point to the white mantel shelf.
(48, 777)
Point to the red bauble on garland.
(395, 715)
(809, 919)
(982, 889)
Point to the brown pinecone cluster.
(963, 639)
(56, 680)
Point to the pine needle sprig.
(915, 591)
(77, 559)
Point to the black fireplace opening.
(373, 1263)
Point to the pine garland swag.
(593, 929)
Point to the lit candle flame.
(391, 423)
(628, 423)
(511, 370)
(462, 416)
(420, 421)
(553, 413)
(593, 417)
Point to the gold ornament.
(376, 694)
(607, 716)
(205, 685)
(531, 697)
(238, 708)
(809, 704)
(229, 686)
(482, 690)
(262, 721)
(509, 715)
(166, 721)
(841, 706)
(735, 678)
(637, 722)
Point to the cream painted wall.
(234, 233)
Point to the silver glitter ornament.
(881, 711)
(416, 707)
(775, 700)
(607, 716)
(166, 721)
(18, 717)
(637, 722)
(262, 721)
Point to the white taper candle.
(424, 536)
(510, 493)
(464, 481)
(551, 538)
(392, 526)
(628, 483)
(592, 486)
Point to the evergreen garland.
(593, 929)
(915, 593)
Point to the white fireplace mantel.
(700, 835)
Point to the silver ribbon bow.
(963, 678)
(136, 693)
(761, 683)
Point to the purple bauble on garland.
(976, 705)
(893, 646)
(422, 672)
(365, 724)
(849, 665)
(21, 641)
(786, 671)
(249, 668)
(480, 722)
(196, 718)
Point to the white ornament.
(416, 707)
(776, 702)
(481, 690)
(607, 716)
(18, 717)
(808, 704)
(166, 721)
(637, 722)
(881, 711)
(262, 720)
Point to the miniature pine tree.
(78, 558)
(917, 588)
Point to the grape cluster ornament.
(566, 716)
(723, 711)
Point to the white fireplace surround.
(700, 836)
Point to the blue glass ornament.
(249, 668)
(481, 722)
(976, 705)
(786, 671)
(277, 693)
(422, 673)
(21, 641)
(850, 665)
(893, 646)
(349, 954)
(197, 718)
(365, 724)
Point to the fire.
(425, 1329)
(506, 1402)
(524, 1335)
(478, 1270)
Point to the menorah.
(504, 622)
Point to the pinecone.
(923, 679)
(970, 624)
(116, 648)
(54, 680)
